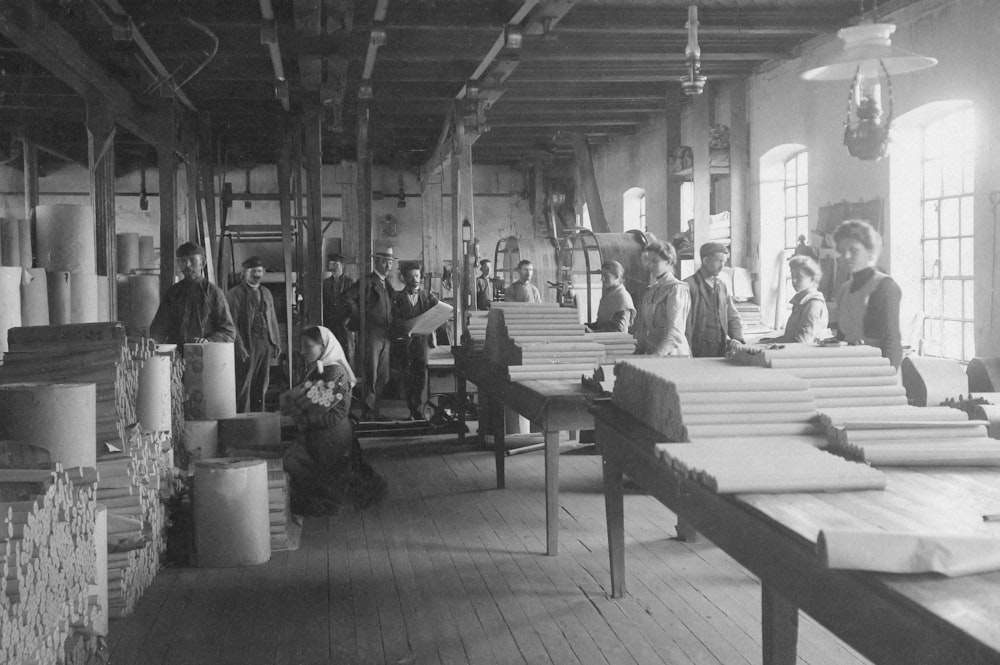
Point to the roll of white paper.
(59, 417)
(201, 438)
(10, 302)
(153, 398)
(65, 236)
(209, 381)
(231, 518)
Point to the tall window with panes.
(796, 207)
(947, 241)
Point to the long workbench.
(554, 406)
(891, 619)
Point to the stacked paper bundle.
(311, 397)
(697, 399)
(474, 338)
(882, 442)
(905, 413)
(765, 466)
(616, 344)
(277, 494)
(48, 554)
(602, 380)
(838, 376)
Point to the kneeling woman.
(325, 464)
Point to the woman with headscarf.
(325, 464)
(616, 310)
(659, 328)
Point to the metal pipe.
(274, 50)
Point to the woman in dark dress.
(325, 463)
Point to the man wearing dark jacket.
(378, 320)
(409, 304)
(192, 310)
(257, 339)
(336, 309)
(712, 319)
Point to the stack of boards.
(740, 422)
(285, 533)
(48, 554)
(540, 342)
(474, 338)
(616, 344)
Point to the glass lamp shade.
(868, 43)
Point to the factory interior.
(499, 331)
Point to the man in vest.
(712, 319)
(378, 320)
(336, 309)
(257, 339)
(409, 304)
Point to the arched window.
(784, 215)
(634, 209)
(796, 199)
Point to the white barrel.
(147, 253)
(209, 381)
(128, 252)
(249, 430)
(231, 514)
(152, 404)
(10, 302)
(201, 438)
(100, 586)
(60, 308)
(84, 301)
(58, 417)
(10, 242)
(65, 236)
(34, 297)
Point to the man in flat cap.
(408, 304)
(378, 321)
(193, 309)
(257, 339)
(712, 319)
(336, 308)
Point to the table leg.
(780, 627)
(552, 493)
(614, 508)
(461, 391)
(499, 440)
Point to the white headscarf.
(333, 354)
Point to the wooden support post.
(299, 210)
(312, 284)
(739, 171)
(457, 210)
(167, 167)
(194, 231)
(30, 184)
(588, 180)
(538, 203)
(207, 185)
(676, 222)
(467, 202)
(364, 222)
(285, 206)
(101, 159)
(701, 173)
(779, 626)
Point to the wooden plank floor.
(449, 570)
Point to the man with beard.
(257, 339)
(192, 310)
(409, 304)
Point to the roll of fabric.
(153, 398)
(147, 253)
(209, 381)
(143, 301)
(231, 513)
(249, 430)
(10, 242)
(66, 238)
(24, 236)
(60, 311)
(84, 301)
(103, 299)
(59, 417)
(100, 586)
(201, 438)
(10, 302)
(128, 252)
(34, 297)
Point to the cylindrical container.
(231, 519)
(201, 438)
(209, 381)
(60, 310)
(10, 302)
(143, 301)
(34, 297)
(84, 301)
(24, 235)
(66, 238)
(59, 417)
(10, 242)
(147, 253)
(100, 586)
(103, 299)
(249, 430)
(128, 252)
(152, 404)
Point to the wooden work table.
(554, 406)
(891, 619)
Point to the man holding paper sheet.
(407, 305)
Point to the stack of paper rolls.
(928, 443)
(10, 302)
(67, 250)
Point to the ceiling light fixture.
(868, 61)
(693, 83)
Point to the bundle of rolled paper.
(913, 443)
(311, 397)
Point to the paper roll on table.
(59, 417)
(153, 398)
(201, 438)
(65, 235)
(139, 296)
(10, 302)
(84, 300)
(878, 551)
(60, 309)
(231, 512)
(34, 297)
(209, 381)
